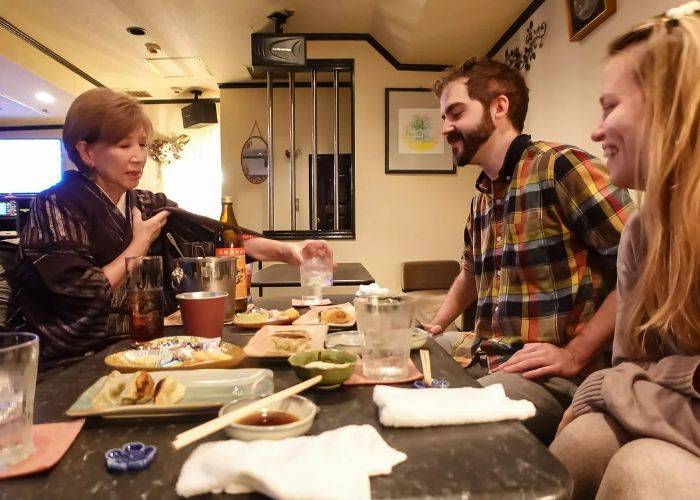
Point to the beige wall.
(193, 181)
(398, 217)
(565, 78)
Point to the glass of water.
(19, 354)
(385, 325)
(315, 273)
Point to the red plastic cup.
(203, 312)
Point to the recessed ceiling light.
(136, 30)
(44, 97)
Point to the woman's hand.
(146, 231)
(317, 248)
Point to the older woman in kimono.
(69, 282)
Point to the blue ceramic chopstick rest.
(130, 457)
(438, 383)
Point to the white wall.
(194, 181)
(565, 78)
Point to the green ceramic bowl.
(339, 365)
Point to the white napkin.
(465, 405)
(335, 464)
(371, 290)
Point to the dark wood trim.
(366, 37)
(177, 101)
(277, 85)
(527, 13)
(310, 235)
(30, 127)
(386, 136)
(44, 49)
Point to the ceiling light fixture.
(136, 30)
(44, 97)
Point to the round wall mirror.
(254, 159)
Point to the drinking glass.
(385, 326)
(315, 273)
(145, 291)
(198, 249)
(19, 353)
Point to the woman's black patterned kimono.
(73, 231)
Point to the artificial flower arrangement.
(166, 151)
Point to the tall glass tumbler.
(19, 354)
(315, 273)
(385, 325)
(145, 292)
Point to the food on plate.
(168, 391)
(335, 315)
(264, 315)
(325, 365)
(291, 313)
(109, 394)
(288, 342)
(205, 357)
(138, 390)
(252, 317)
(175, 352)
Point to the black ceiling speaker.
(270, 49)
(277, 49)
(199, 113)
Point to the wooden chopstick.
(196, 433)
(425, 362)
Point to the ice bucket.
(208, 274)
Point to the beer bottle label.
(241, 276)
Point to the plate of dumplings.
(168, 393)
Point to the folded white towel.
(373, 289)
(465, 405)
(335, 464)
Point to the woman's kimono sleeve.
(64, 295)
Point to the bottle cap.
(227, 199)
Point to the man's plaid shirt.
(541, 241)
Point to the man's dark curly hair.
(487, 80)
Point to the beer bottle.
(229, 243)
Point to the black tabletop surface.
(496, 460)
(348, 273)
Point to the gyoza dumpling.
(138, 390)
(109, 394)
(168, 391)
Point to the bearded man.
(540, 246)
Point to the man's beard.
(472, 140)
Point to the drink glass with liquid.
(19, 354)
(315, 273)
(145, 296)
(385, 326)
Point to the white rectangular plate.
(205, 390)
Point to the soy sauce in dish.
(268, 418)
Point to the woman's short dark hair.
(487, 80)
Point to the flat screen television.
(28, 166)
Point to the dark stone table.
(280, 275)
(497, 460)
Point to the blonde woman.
(633, 430)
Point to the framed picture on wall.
(587, 15)
(413, 139)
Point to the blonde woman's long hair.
(665, 304)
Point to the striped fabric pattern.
(541, 241)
